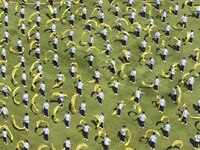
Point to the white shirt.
(53, 27)
(86, 128)
(6, 34)
(4, 134)
(46, 131)
(138, 93)
(55, 57)
(101, 118)
(120, 106)
(142, 117)
(46, 105)
(123, 131)
(40, 68)
(144, 8)
(185, 113)
(3, 52)
(197, 138)
(157, 34)
(167, 127)
(84, 10)
(23, 76)
(116, 84)
(37, 50)
(72, 17)
(117, 9)
(60, 76)
(4, 110)
(73, 69)
(191, 80)
(184, 18)
(22, 11)
(6, 18)
(183, 62)
(23, 26)
(176, 7)
(162, 102)
(112, 63)
(38, 19)
(108, 46)
(101, 95)
(144, 43)
(172, 70)
(157, 81)
(151, 61)
(71, 33)
(26, 145)
(165, 14)
(3, 69)
(80, 85)
(26, 119)
(55, 10)
(67, 144)
(83, 106)
(133, 14)
(23, 59)
(153, 138)
(151, 21)
(165, 51)
(168, 27)
(25, 97)
(97, 74)
(67, 117)
(55, 40)
(105, 31)
(37, 35)
(19, 43)
(42, 86)
(73, 49)
(106, 141)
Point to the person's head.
(153, 133)
(4, 129)
(68, 138)
(124, 126)
(143, 112)
(26, 114)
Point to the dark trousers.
(4, 139)
(132, 20)
(23, 65)
(190, 87)
(182, 68)
(72, 55)
(151, 66)
(143, 14)
(115, 90)
(46, 112)
(104, 37)
(171, 76)
(38, 24)
(3, 57)
(108, 52)
(25, 103)
(122, 137)
(79, 91)
(37, 55)
(141, 123)
(55, 63)
(157, 6)
(42, 92)
(3, 74)
(67, 123)
(119, 111)
(84, 16)
(167, 33)
(85, 135)
(26, 125)
(19, 48)
(161, 108)
(152, 144)
(184, 120)
(24, 82)
(46, 137)
(176, 12)
(184, 24)
(175, 98)
(6, 40)
(164, 57)
(70, 38)
(82, 113)
(156, 87)
(132, 79)
(166, 133)
(196, 144)
(90, 63)
(37, 8)
(157, 40)
(97, 80)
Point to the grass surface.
(113, 124)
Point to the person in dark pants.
(67, 119)
(175, 94)
(26, 121)
(26, 145)
(185, 116)
(25, 98)
(83, 109)
(4, 136)
(86, 129)
(46, 109)
(197, 140)
(152, 140)
(123, 134)
(166, 129)
(142, 118)
(67, 144)
(46, 134)
(106, 142)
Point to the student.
(175, 94)
(106, 142)
(6, 36)
(24, 78)
(37, 6)
(116, 86)
(53, 27)
(46, 133)
(119, 109)
(71, 35)
(172, 73)
(22, 12)
(6, 7)
(198, 12)
(176, 8)
(91, 60)
(37, 36)
(119, 25)
(124, 40)
(156, 83)
(4, 136)
(86, 129)
(191, 37)
(97, 76)
(152, 141)
(184, 21)
(73, 52)
(138, 95)
(39, 69)
(151, 63)
(4, 112)
(37, 52)
(91, 43)
(138, 31)
(73, 71)
(112, 66)
(3, 54)
(23, 28)
(25, 98)
(101, 119)
(83, 109)
(151, 21)
(142, 118)
(108, 48)
(166, 128)
(133, 76)
(144, 45)
(167, 30)
(104, 34)
(46, 109)
(123, 134)
(42, 89)
(178, 45)
(164, 54)
(55, 43)
(80, 87)
(67, 119)
(3, 71)
(157, 37)
(38, 22)
(6, 21)
(117, 10)
(143, 13)
(55, 60)
(19, 45)
(84, 11)
(190, 84)
(5, 91)
(183, 63)
(59, 77)
(197, 140)
(26, 145)
(190, 3)
(67, 144)
(185, 116)
(23, 61)
(161, 104)
(54, 12)
(100, 97)
(100, 4)
(132, 19)
(164, 16)
(72, 19)
(89, 25)
(158, 4)
(101, 16)
(130, 2)
(26, 121)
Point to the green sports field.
(113, 124)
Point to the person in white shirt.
(161, 104)
(71, 35)
(132, 76)
(191, 37)
(185, 116)
(89, 25)
(164, 16)
(24, 78)
(37, 36)
(55, 60)
(37, 52)
(6, 21)
(73, 52)
(106, 142)
(55, 43)
(108, 49)
(104, 34)
(183, 63)
(22, 12)
(138, 95)
(55, 12)
(4, 112)
(101, 119)
(144, 45)
(46, 134)
(3, 54)
(4, 136)
(84, 12)
(37, 6)
(26, 145)
(46, 109)
(61, 99)
(116, 86)
(164, 54)
(142, 118)
(123, 132)
(25, 98)
(167, 28)
(117, 10)
(91, 60)
(190, 84)
(79, 87)
(172, 73)
(190, 3)
(23, 28)
(138, 31)
(6, 7)
(158, 4)
(157, 37)
(100, 97)
(198, 13)
(184, 21)
(23, 61)
(19, 45)
(197, 140)
(39, 69)
(86, 129)
(3, 71)
(67, 119)
(119, 109)
(26, 121)
(176, 8)
(151, 21)
(101, 18)
(175, 94)
(124, 40)
(166, 129)
(53, 27)
(152, 141)
(73, 71)
(38, 22)
(156, 83)
(100, 4)
(144, 9)
(71, 19)
(97, 76)
(112, 66)
(91, 43)
(5, 91)
(151, 63)
(67, 144)
(132, 19)
(42, 89)
(6, 36)
(83, 109)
